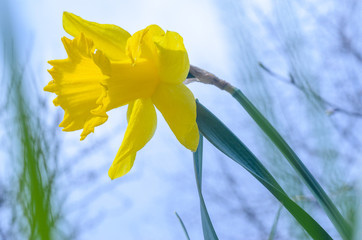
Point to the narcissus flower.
(108, 68)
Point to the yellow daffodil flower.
(108, 68)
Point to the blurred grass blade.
(207, 227)
(223, 139)
(334, 215)
(275, 224)
(35, 212)
(183, 226)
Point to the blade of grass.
(207, 227)
(35, 213)
(223, 139)
(275, 224)
(183, 226)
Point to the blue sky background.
(228, 38)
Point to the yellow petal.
(140, 129)
(173, 60)
(141, 44)
(109, 38)
(76, 81)
(177, 105)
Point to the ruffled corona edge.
(79, 82)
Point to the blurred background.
(298, 61)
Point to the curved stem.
(331, 210)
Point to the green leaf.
(207, 227)
(183, 226)
(223, 139)
(334, 215)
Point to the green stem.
(334, 215)
(344, 229)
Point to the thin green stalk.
(331, 210)
(207, 227)
(275, 224)
(183, 226)
(344, 229)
